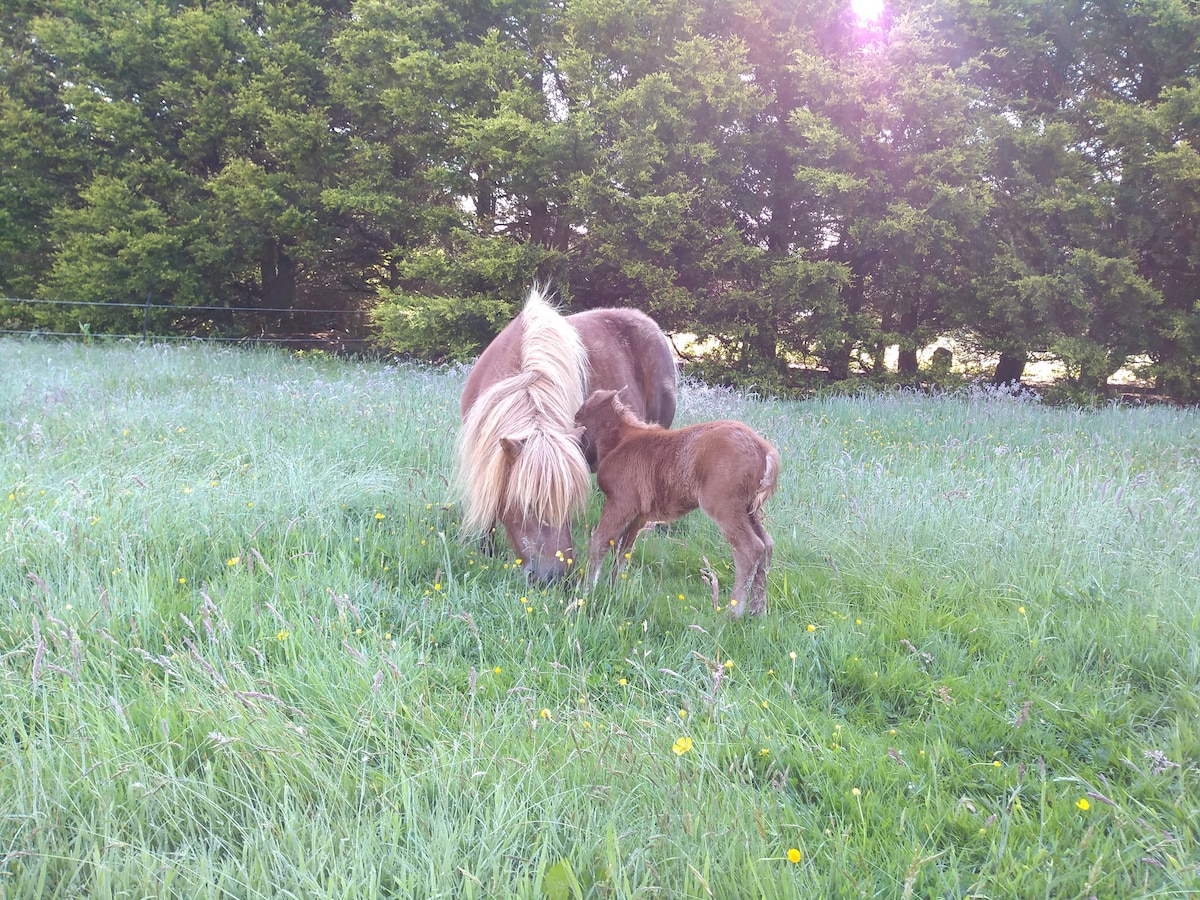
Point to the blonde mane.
(535, 408)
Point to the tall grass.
(245, 653)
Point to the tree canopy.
(788, 182)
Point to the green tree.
(38, 152)
(203, 144)
(459, 167)
(1077, 271)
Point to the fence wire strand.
(145, 336)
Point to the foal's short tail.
(770, 479)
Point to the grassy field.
(244, 653)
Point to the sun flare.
(867, 12)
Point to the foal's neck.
(617, 429)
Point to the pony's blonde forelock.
(552, 348)
(549, 479)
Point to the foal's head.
(600, 417)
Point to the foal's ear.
(578, 432)
(511, 448)
(600, 397)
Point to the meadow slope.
(245, 654)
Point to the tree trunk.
(837, 361)
(278, 278)
(837, 357)
(1010, 368)
(761, 349)
(906, 363)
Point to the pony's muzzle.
(547, 571)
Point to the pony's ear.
(511, 448)
(578, 432)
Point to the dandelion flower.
(623, 681)
(233, 560)
(496, 671)
(856, 792)
(683, 714)
(380, 515)
(729, 663)
(545, 713)
(283, 635)
(682, 746)
(793, 856)
(812, 627)
(1083, 804)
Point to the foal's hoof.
(739, 609)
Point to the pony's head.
(547, 485)
(520, 459)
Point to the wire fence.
(350, 334)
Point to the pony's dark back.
(628, 353)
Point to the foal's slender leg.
(624, 545)
(748, 549)
(613, 526)
(758, 588)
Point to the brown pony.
(520, 458)
(650, 474)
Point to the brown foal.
(652, 474)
